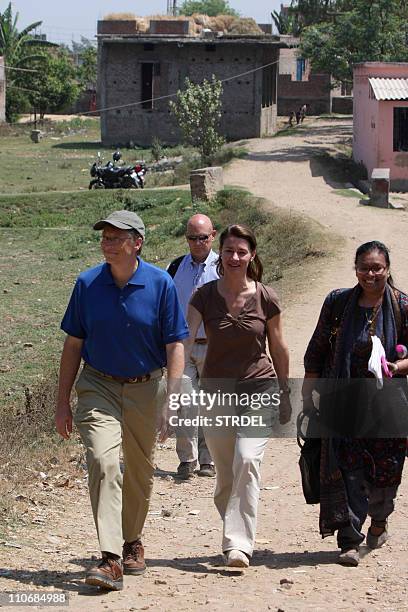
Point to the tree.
(312, 12)
(198, 113)
(87, 69)
(207, 7)
(17, 48)
(285, 24)
(372, 31)
(53, 86)
(79, 47)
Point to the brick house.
(141, 67)
(298, 84)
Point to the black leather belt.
(124, 379)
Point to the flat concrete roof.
(195, 40)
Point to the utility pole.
(172, 7)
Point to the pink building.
(380, 119)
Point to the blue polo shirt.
(125, 331)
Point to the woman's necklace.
(371, 320)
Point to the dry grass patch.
(119, 17)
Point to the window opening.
(150, 83)
(400, 131)
(268, 86)
(300, 68)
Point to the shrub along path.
(292, 569)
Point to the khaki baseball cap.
(123, 219)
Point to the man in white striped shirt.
(190, 272)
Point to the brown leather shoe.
(206, 469)
(133, 558)
(186, 470)
(108, 574)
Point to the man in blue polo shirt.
(124, 320)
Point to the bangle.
(284, 391)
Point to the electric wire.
(172, 95)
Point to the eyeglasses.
(373, 269)
(200, 238)
(114, 240)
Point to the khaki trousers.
(110, 413)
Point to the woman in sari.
(361, 468)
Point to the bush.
(198, 113)
(157, 149)
(30, 425)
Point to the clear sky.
(64, 20)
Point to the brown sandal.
(376, 541)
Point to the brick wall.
(119, 26)
(342, 105)
(315, 92)
(120, 83)
(168, 26)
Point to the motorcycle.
(110, 176)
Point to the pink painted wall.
(373, 123)
(365, 120)
(397, 161)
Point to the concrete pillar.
(36, 135)
(205, 182)
(380, 187)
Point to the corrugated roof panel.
(389, 89)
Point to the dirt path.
(182, 543)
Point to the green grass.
(62, 159)
(351, 193)
(290, 131)
(334, 116)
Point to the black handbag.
(309, 461)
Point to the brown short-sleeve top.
(236, 345)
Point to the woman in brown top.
(240, 315)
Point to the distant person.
(292, 117)
(303, 110)
(360, 470)
(124, 320)
(190, 272)
(241, 317)
(298, 115)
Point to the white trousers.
(237, 459)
